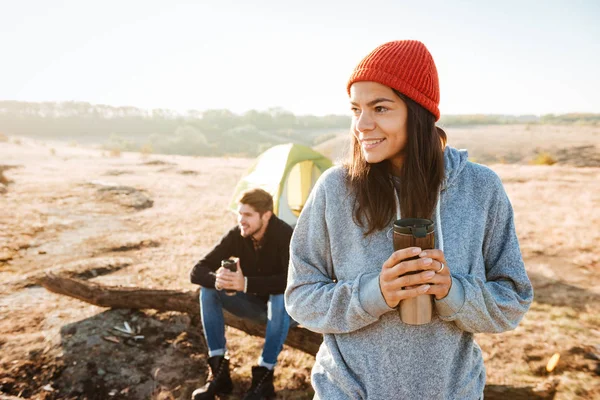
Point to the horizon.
(278, 108)
(508, 59)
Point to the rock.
(5, 256)
(91, 341)
(91, 267)
(125, 195)
(579, 156)
(128, 196)
(130, 242)
(187, 172)
(48, 388)
(117, 172)
(4, 180)
(158, 162)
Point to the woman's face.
(379, 123)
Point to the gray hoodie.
(367, 351)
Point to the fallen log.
(185, 301)
(546, 390)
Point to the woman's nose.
(364, 122)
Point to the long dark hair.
(420, 178)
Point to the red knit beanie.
(404, 65)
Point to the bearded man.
(257, 249)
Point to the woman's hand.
(442, 281)
(396, 286)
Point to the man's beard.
(252, 233)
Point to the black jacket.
(266, 269)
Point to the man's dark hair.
(258, 199)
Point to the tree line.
(210, 132)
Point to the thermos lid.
(418, 227)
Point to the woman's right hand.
(395, 285)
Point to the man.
(260, 245)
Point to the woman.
(346, 282)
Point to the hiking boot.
(262, 384)
(220, 382)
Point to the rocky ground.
(144, 221)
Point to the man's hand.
(228, 280)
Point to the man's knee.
(208, 294)
(277, 304)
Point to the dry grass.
(146, 150)
(543, 159)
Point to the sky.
(493, 57)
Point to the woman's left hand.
(442, 281)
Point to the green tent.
(288, 172)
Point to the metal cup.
(232, 266)
(415, 232)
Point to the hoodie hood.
(454, 163)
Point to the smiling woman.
(346, 281)
(379, 123)
(394, 91)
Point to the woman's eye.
(355, 111)
(380, 109)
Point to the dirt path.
(144, 222)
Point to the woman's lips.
(369, 144)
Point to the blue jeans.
(248, 306)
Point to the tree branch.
(185, 301)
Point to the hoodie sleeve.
(499, 302)
(313, 297)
